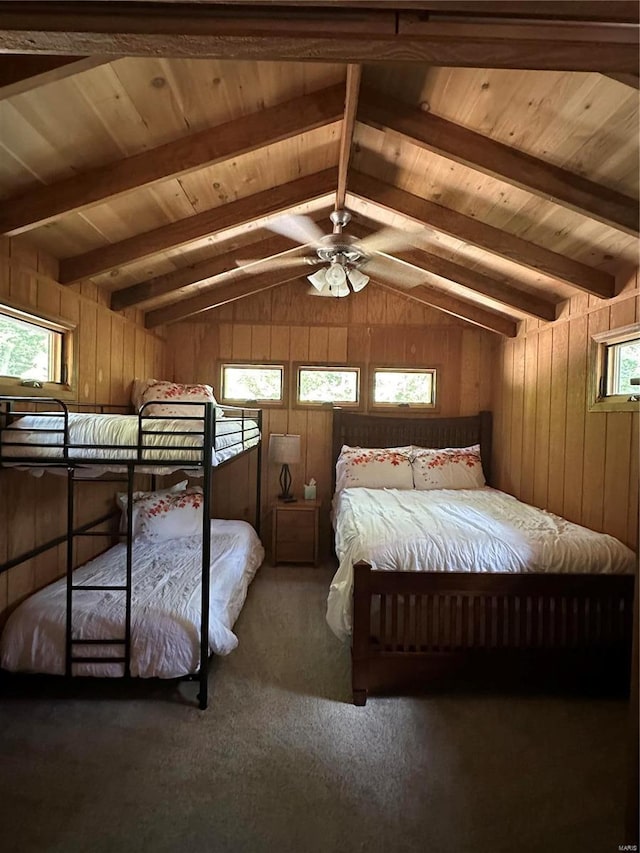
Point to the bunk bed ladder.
(71, 657)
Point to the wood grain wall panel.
(32, 510)
(357, 330)
(582, 465)
(558, 417)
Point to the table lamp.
(285, 450)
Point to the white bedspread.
(465, 530)
(165, 625)
(88, 430)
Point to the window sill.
(614, 405)
(49, 389)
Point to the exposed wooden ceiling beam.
(183, 281)
(632, 80)
(476, 233)
(206, 148)
(354, 75)
(314, 34)
(242, 212)
(457, 307)
(493, 158)
(612, 10)
(21, 73)
(511, 297)
(214, 297)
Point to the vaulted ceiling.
(147, 145)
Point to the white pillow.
(374, 468)
(122, 499)
(176, 395)
(447, 468)
(171, 516)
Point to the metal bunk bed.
(142, 457)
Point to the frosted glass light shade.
(335, 275)
(318, 279)
(284, 449)
(358, 279)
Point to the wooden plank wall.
(548, 449)
(372, 326)
(112, 349)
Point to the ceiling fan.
(343, 257)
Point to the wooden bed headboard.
(359, 430)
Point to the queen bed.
(438, 586)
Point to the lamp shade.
(284, 449)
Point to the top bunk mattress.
(108, 438)
(458, 530)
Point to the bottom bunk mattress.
(165, 620)
(458, 530)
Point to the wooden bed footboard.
(417, 630)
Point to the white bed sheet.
(88, 430)
(463, 530)
(165, 625)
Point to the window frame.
(327, 366)
(599, 400)
(282, 403)
(67, 387)
(434, 406)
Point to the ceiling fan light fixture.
(357, 279)
(335, 275)
(318, 279)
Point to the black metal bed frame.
(66, 454)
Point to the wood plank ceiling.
(147, 145)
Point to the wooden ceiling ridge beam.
(472, 149)
(271, 202)
(335, 34)
(22, 73)
(216, 296)
(354, 76)
(487, 237)
(197, 151)
(459, 308)
(197, 276)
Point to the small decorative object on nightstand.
(295, 532)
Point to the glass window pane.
(252, 383)
(403, 387)
(26, 350)
(626, 365)
(324, 385)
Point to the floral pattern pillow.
(176, 396)
(447, 468)
(171, 515)
(122, 499)
(374, 468)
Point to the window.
(615, 370)
(252, 383)
(34, 351)
(413, 387)
(322, 385)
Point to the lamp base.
(287, 499)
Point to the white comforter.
(88, 430)
(165, 624)
(465, 530)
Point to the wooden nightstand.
(295, 532)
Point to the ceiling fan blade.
(387, 240)
(299, 228)
(256, 266)
(403, 274)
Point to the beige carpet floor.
(282, 763)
